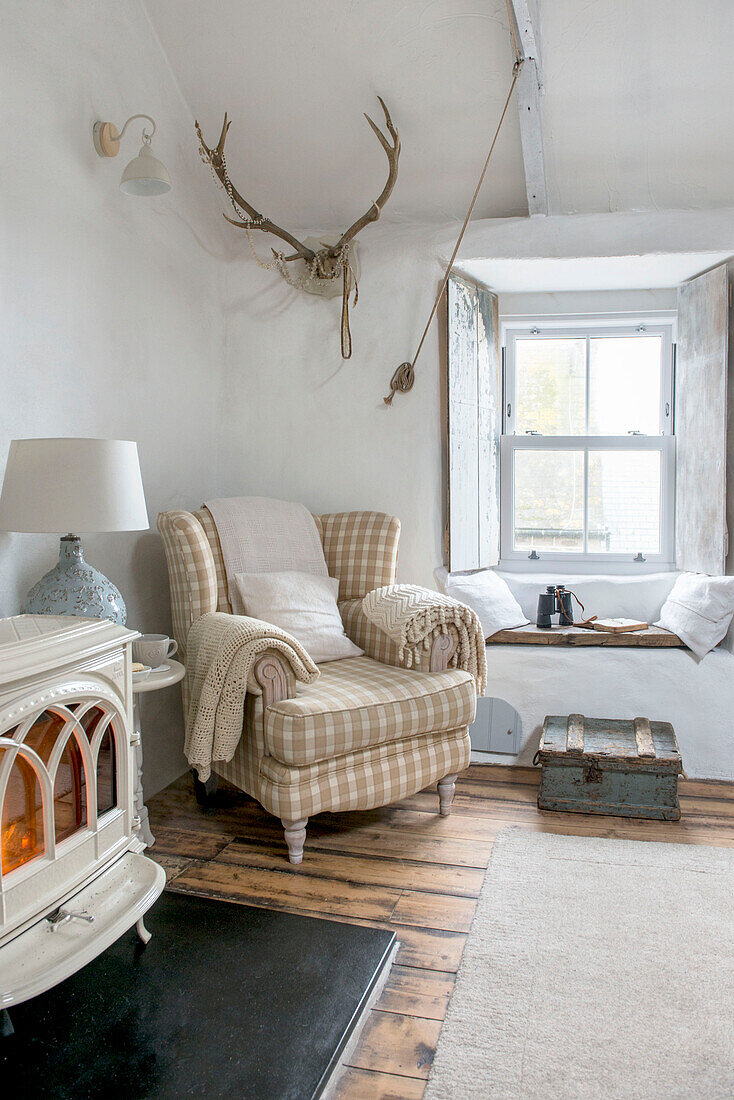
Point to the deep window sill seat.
(655, 637)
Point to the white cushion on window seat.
(699, 610)
(619, 597)
(486, 593)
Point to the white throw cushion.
(304, 605)
(607, 596)
(699, 610)
(486, 594)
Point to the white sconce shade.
(145, 175)
(80, 485)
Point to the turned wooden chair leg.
(206, 792)
(295, 837)
(446, 788)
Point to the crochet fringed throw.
(412, 616)
(221, 652)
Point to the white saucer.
(161, 668)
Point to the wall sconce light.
(145, 174)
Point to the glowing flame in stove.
(17, 845)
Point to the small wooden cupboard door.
(496, 727)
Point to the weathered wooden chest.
(609, 766)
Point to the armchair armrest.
(275, 675)
(230, 655)
(381, 647)
(425, 625)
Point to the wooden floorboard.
(413, 991)
(401, 867)
(365, 1084)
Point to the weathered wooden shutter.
(474, 426)
(700, 422)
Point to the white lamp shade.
(145, 175)
(73, 485)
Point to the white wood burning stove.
(72, 876)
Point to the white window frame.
(587, 327)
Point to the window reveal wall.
(474, 426)
(700, 422)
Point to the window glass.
(624, 502)
(106, 773)
(550, 386)
(624, 384)
(549, 500)
(70, 794)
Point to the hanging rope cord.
(404, 377)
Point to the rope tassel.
(401, 381)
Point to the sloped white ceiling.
(639, 104)
(296, 75)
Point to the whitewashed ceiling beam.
(529, 92)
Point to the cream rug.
(594, 969)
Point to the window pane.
(549, 500)
(70, 792)
(106, 773)
(551, 386)
(624, 502)
(624, 384)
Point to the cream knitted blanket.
(221, 651)
(412, 616)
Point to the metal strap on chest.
(643, 737)
(575, 734)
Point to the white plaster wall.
(637, 104)
(301, 424)
(295, 78)
(548, 304)
(655, 233)
(665, 685)
(111, 308)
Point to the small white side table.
(171, 675)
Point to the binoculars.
(554, 601)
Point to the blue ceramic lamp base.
(73, 587)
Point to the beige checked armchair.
(367, 732)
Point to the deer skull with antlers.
(323, 264)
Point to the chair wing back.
(191, 571)
(361, 549)
(209, 528)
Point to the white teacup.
(153, 649)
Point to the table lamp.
(56, 485)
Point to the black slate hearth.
(225, 1001)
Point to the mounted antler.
(215, 157)
(329, 261)
(392, 152)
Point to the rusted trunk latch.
(592, 772)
